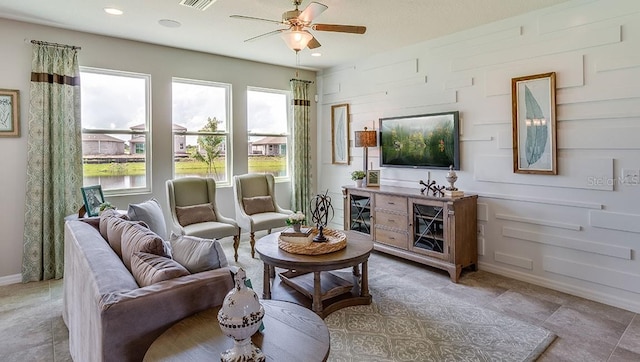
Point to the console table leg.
(317, 294)
(364, 287)
(266, 282)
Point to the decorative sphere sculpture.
(321, 213)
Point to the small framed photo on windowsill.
(373, 178)
(93, 198)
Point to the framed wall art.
(9, 113)
(373, 178)
(340, 134)
(92, 197)
(533, 101)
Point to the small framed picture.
(93, 198)
(9, 113)
(373, 178)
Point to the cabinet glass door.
(360, 213)
(429, 229)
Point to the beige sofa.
(111, 318)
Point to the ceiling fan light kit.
(296, 35)
(296, 40)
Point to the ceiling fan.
(297, 22)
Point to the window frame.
(289, 128)
(146, 132)
(228, 133)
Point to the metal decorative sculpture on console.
(431, 186)
(320, 209)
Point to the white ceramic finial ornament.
(240, 317)
(451, 178)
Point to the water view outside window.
(201, 138)
(268, 131)
(115, 129)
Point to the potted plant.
(296, 220)
(358, 176)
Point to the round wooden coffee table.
(291, 333)
(314, 277)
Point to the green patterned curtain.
(301, 180)
(54, 158)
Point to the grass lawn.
(267, 164)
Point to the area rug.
(410, 322)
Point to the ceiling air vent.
(197, 4)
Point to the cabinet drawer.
(391, 203)
(394, 221)
(394, 238)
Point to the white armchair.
(256, 207)
(192, 203)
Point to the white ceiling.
(390, 24)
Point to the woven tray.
(336, 240)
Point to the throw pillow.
(115, 228)
(258, 204)
(198, 254)
(137, 238)
(151, 213)
(105, 216)
(194, 214)
(149, 269)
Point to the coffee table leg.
(364, 287)
(266, 282)
(317, 294)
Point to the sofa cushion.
(151, 213)
(149, 269)
(137, 238)
(197, 254)
(258, 204)
(194, 214)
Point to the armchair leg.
(252, 240)
(236, 244)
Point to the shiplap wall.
(576, 232)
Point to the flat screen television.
(422, 141)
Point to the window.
(115, 130)
(268, 131)
(201, 116)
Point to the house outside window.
(201, 113)
(115, 130)
(268, 124)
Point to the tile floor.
(31, 326)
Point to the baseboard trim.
(11, 279)
(627, 304)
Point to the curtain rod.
(40, 42)
(302, 80)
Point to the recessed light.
(169, 23)
(316, 54)
(113, 11)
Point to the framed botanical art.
(533, 100)
(9, 113)
(93, 198)
(340, 134)
(373, 178)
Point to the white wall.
(567, 232)
(162, 63)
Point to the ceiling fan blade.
(266, 35)
(340, 28)
(311, 12)
(313, 43)
(258, 19)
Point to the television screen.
(422, 141)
